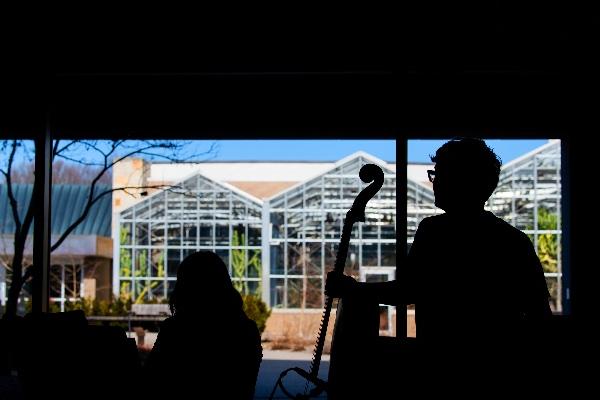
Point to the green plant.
(239, 265)
(547, 247)
(256, 310)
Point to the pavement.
(276, 361)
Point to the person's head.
(203, 284)
(466, 174)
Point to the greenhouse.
(197, 214)
(281, 247)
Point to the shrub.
(256, 310)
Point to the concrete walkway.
(275, 361)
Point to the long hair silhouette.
(203, 278)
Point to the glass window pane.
(254, 288)
(173, 260)
(185, 253)
(369, 255)
(174, 205)
(190, 207)
(142, 210)
(206, 234)
(312, 197)
(125, 263)
(238, 237)
(388, 254)
(277, 225)
(314, 295)
(254, 264)
(312, 224)
(277, 292)
(238, 210)
(552, 284)
(352, 261)
(277, 263)
(222, 209)
(313, 259)
(370, 227)
(190, 233)
(126, 288)
(170, 287)
(294, 254)
(388, 231)
(157, 233)
(333, 225)
(222, 234)
(294, 225)
(205, 184)
(254, 214)
(174, 233)
(125, 233)
(141, 233)
(224, 255)
(238, 263)
(157, 206)
(141, 263)
(370, 278)
(206, 204)
(294, 293)
(331, 192)
(158, 263)
(142, 291)
(254, 234)
(157, 291)
(330, 255)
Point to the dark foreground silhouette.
(208, 346)
(479, 291)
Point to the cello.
(340, 343)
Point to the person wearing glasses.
(473, 278)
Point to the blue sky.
(331, 150)
(317, 150)
(507, 150)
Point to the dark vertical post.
(41, 233)
(565, 210)
(401, 163)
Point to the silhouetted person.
(475, 280)
(209, 347)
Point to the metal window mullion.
(133, 253)
(265, 256)
(558, 238)
(401, 226)
(285, 252)
(322, 210)
(535, 205)
(42, 220)
(62, 287)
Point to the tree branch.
(9, 189)
(81, 162)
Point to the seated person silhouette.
(474, 279)
(208, 347)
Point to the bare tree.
(95, 160)
(63, 172)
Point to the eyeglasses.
(431, 175)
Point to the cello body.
(362, 363)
